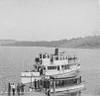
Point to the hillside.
(86, 42)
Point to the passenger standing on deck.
(13, 88)
(35, 84)
(22, 88)
(48, 92)
(18, 89)
(30, 89)
(44, 84)
(38, 84)
(9, 89)
(41, 71)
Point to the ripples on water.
(13, 60)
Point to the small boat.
(56, 71)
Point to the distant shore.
(90, 42)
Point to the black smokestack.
(56, 51)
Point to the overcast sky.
(47, 19)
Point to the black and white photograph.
(49, 47)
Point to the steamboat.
(57, 72)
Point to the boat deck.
(33, 93)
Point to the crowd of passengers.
(46, 84)
(56, 57)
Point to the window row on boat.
(58, 67)
(55, 58)
(53, 67)
(66, 82)
(64, 67)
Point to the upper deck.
(58, 61)
(57, 58)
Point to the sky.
(36, 20)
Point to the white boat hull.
(68, 89)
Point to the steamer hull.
(70, 89)
(54, 72)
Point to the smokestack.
(56, 51)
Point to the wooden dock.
(33, 93)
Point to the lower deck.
(59, 84)
(68, 89)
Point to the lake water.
(13, 60)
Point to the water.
(13, 60)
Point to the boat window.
(52, 67)
(51, 59)
(70, 58)
(56, 58)
(65, 66)
(58, 68)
